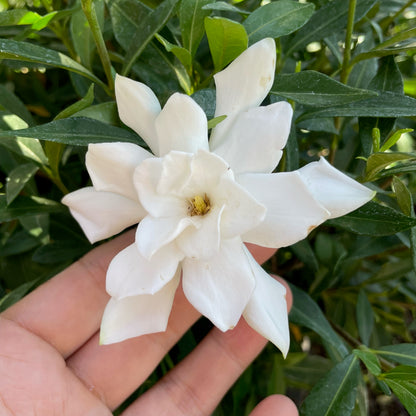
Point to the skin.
(51, 362)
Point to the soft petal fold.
(337, 192)
(138, 315)
(138, 108)
(181, 125)
(102, 214)
(130, 274)
(266, 311)
(154, 233)
(292, 211)
(111, 166)
(244, 84)
(220, 287)
(255, 141)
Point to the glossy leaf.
(406, 393)
(104, 112)
(17, 180)
(277, 19)
(224, 7)
(316, 89)
(365, 317)
(374, 219)
(379, 161)
(335, 394)
(227, 39)
(14, 105)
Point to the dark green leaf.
(388, 77)
(191, 20)
(224, 7)
(400, 353)
(182, 54)
(78, 106)
(329, 19)
(13, 104)
(307, 313)
(370, 360)
(18, 243)
(17, 294)
(316, 89)
(59, 251)
(24, 51)
(406, 393)
(401, 372)
(374, 219)
(227, 39)
(104, 112)
(277, 19)
(17, 180)
(335, 394)
(206, 100)
(78, 131)
(365, 317)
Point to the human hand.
(52, 364)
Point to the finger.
(66, 311)
(276, 405)
(202, 378)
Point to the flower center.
(198, 205)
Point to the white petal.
(244, 84)
(146, 178)
(130, 274)
(102, 214)
(138, 315)
(255, 140)
(138, 108)
(154, 233)
(175, 173)
(242, 212)
(111, 166)
(220, 287)
(266, 311)
(181, 125)
(337, 192)
(292, 211)
(202, 240)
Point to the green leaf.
(335, 394)
(388, 77)
(307, 313)
(329, 19)
(182, 54)
(28, 52)
(215, 121)
(104, 112)
(146, 30)
(24, 206)
(386, 104)
(191, 21)
(365, 317)
(78, 131)
(400, 353)
(227, 39)
(379, 161)
(17, 294)
(406, 393)
(224, 7)
(18, 17)
(277, 19)
(394, 138)
(374, 219)
(316, 89)
(13, 104)
(403, 196)
(401, 372)
(370, 360)
(79, 105)
(17, 180)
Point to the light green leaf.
(406, 393)
(215, 121)
(227, 39)
(277, 19)
(401, 372)
(379, 161)
(28, 52)
(77, 131)
(370, 360)
(394, 138)
(182, 54)
(17, 180)
(18, 17)
(403, 196)
(191, 21)
(316, 89)
(365, 317)
(335, 394)
(104, 112)
(374, 219)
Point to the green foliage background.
(348, 67)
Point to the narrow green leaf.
(401, 372)
(400, 353)
(370, 360)
(13, 104)
(403, 196)
(335, 394)
(18, 17)
(43, 21)
(28, 52)
(182, 54)
(224, 7)
(329, 19)
(365, 317)
(379, 161)
(78, 131)
(307, 313)
(374, 219)
(386, 104)
(104, 112)
(17, 180)
(78, 106)
(191, 21)
(277, 19)
(394, 138)
(406, 393)
(215, 121)
(227, 39)
(316, 89)
(152, 24)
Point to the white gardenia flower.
(197, 201)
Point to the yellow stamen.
(199, 205)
